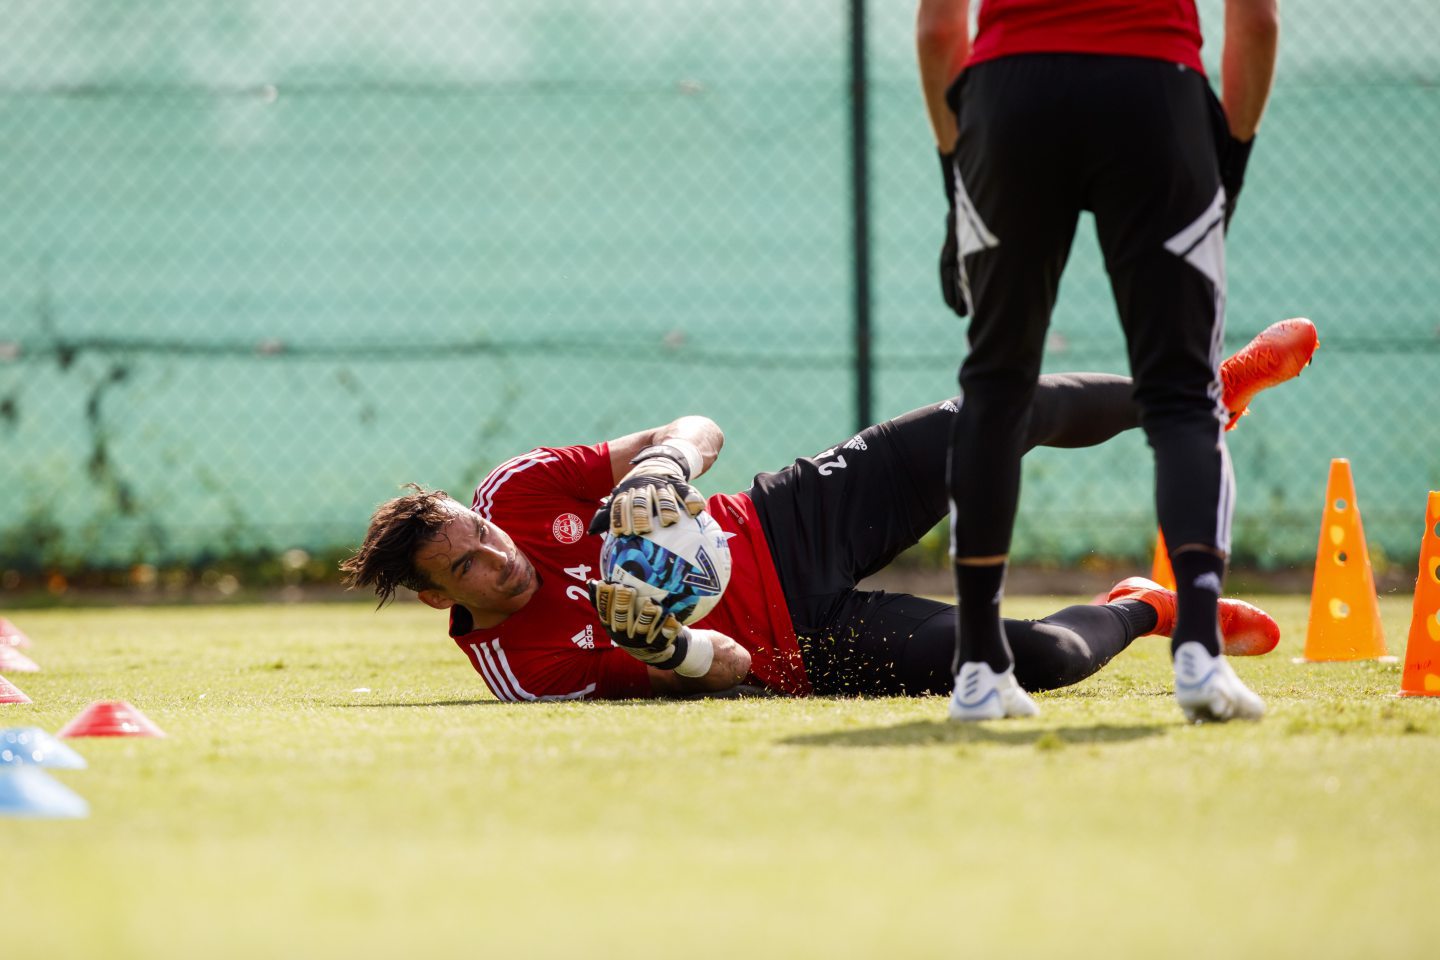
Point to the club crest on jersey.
(568, 528)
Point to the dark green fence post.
(860, 213)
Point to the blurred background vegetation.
(265, 262)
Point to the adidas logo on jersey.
(585, 639)
(855, 443)
(949, 407)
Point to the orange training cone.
(9, 693)
(1422, 651)
(1344, 611)
(1160, 570)
(110, 718)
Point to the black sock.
(979, 635)
(1199, 577)
(1139, 616)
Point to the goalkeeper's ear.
(437, 599)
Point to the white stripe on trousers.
(1202, 245)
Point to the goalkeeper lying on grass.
(516, 569)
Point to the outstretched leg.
(839, 516)
(894, 644)
(889, 644)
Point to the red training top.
(1157, 29)
(554, 647)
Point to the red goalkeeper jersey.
(554, 648)
(1156, 29)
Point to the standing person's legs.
(1016, 215)
(1159, 211)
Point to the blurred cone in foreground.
(31, 792)
(1160, 569)
(13, 661)
(1422, 650)
(110, 718)
(1344, 611)
(33, 746)
(11, 636)
(9, 693)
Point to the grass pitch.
(292, 813)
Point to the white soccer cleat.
(1208, 689)
(982, 694)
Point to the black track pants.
(1043, 137)
(835, 518)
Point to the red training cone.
(110, 718)
(9, 693)
(13, 661)
(11, 635)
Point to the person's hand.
(635, 623)
(950, 249)
(645, 631)
(656, 487)
(1234, 158)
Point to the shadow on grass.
(741, 692)
(924, 733)
(423, 703)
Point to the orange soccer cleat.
(1245, 630)
(1278, 353)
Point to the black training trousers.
(1043, 137)
(835, 518)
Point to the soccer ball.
(684, 567)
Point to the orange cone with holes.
(1160, 569)
(1344, 611)
(1422, 650)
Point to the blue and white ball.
(684, 567)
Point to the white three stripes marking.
(484, 500)
(495, 669)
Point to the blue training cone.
(33, 746)
(31, 792)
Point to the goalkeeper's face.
(475, 563)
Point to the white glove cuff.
(699, 657)
(693, 461)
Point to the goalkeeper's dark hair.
(386, 559)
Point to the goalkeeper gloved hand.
(657, 486)
(950, 249)
(648, 633)
(1234, 158)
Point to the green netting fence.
(261, 262)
